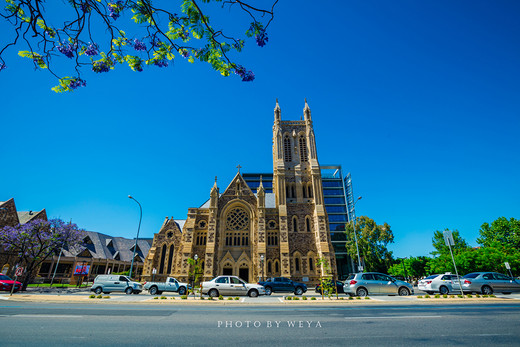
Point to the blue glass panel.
(332, 184)
(334, 201)
(336, 209)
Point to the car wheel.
(182, 291)
(213, 293)
(98, 290)
(444, 290)
(487, 290)
(153, 290)
(362, 292)
(298, 291)
(268, 291)
(129, 290)
(404, 291)
(253, 293)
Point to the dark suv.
(282, 284)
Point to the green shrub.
(358, 298)
(469, 296)
(99, 296)
(342, 298)
(237, 298)
(230, 298)
(220, 297)
(452, 296)
(172, 298)
(477, 296)
(92, 296)
(367, 298)
(437, 296)
(156, 298)
(304, 297)
(296, 298)
(492, 296)
(485, 296)
(459, 296)
(419, 296)
(427, 296)
(350, 298)
(163, 298)
(106, 297)
(288, 298)
(184, 297)
(445, 296)
(209, 298)
(313, 298)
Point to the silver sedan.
(490, 282)
(444, 284)
(370, 283)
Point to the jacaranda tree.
(102, 34)
(35, 241)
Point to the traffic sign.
(19, 271)
(448, 238)
(507, 265)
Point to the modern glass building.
(337, 192)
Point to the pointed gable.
(238, 188)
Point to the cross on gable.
(239, 167)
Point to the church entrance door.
(228, 271)
(243, 273)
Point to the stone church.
(250, 235)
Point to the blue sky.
(419, 100)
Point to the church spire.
(307, 111)
(277, 112)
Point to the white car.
(442, 283)
(231, 285)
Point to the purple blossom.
(139, 46)
(261, 37)
(92, 49)
(76, 83)
(161, 63)
(114, 9)
(100, 66)
(67, 49)
(247, 76)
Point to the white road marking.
(45, 316)
(391, 317)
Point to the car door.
(504, 282)
(370, 283)
(386, 284)
(238, 287)
(172, 285)
(489, 279)
(223, 286)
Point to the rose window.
(237, 219)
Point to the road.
(83, 324)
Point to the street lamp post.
(137, 237)
(262, 266)
(360, 267)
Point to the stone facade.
(249, 235)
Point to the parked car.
(231, 285)
(442, 283)
(490, 282)
(339, 286)
(170, 285)
(6, 283)
(283, 284)
(374, 283)
(115, 283)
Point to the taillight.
(467, 282)
(144, 283)
(352, 282)
(428, 282)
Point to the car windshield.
(5, 278)
(350, 277)
(431, 277)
